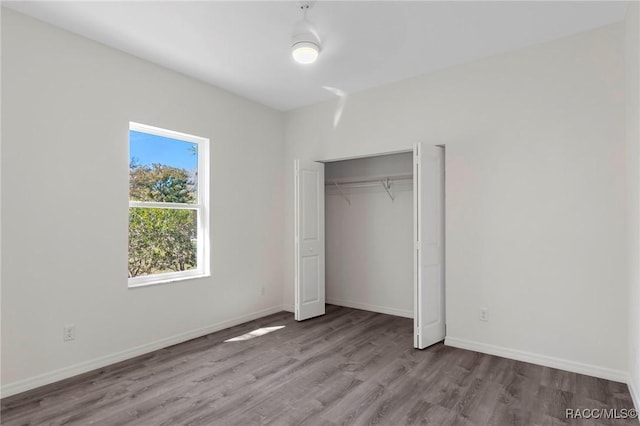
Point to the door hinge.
(417, 245)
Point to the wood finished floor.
(347, 367)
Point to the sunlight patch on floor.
(255, 333)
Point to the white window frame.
(201, 206)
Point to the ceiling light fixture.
(305, 46)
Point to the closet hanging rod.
(376, 179)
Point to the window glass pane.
(162, 169)
(162, 240)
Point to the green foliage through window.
(162, 239)
(161, 183)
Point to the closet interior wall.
(369, 233)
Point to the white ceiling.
(244, 46)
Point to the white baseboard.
(288, 308)
(635, 396)
(373, 308)
(83, 367)
(533, 358)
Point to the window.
(168, 205)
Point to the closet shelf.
(368, 180)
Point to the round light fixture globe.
(305, 52)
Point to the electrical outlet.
(484, 314)
(69, 332)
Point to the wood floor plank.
(346, 367)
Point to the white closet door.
(309, 239)
(428, 190)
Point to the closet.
(369, 233)
(383, 249)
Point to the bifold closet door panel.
(429, 246)
(309, 240)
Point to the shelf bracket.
(342, 193)
(387, 187)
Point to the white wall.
(67, 102)
(534, 192)
(369, 243)
(367, 167)
(632, 92)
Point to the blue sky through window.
(147, 149)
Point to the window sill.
(167, 280)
